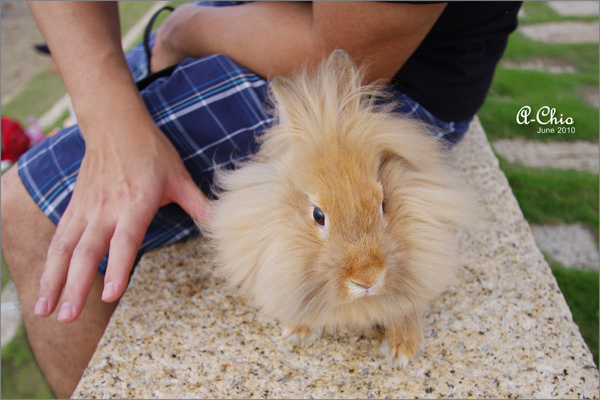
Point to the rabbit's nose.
(367, 281)
(362, 285)
(365, 287)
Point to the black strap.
(151, 77)
(147, 34)
(148, 79)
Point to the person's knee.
(9, 212)
(7, 206)
(23, 226)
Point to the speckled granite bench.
(504, 330)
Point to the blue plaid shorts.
(211, 109)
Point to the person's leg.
(448, 132)
(62, 351)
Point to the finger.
(66, 237)
(192, 200)
(124, 246)
(88, 253)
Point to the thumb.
(192, 200)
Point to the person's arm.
(129, 168)
(275, 38)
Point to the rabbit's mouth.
(358, 289)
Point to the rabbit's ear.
(340, 66)
(340, 62)
(280, 86)
(410, 141)
(282, 89)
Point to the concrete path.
(580, 251)
(567, 31)
(577, 155)
(575, 8)
(562, 32)
(541, 64)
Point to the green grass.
(514, 88)
(5, 273)
(161, 17)
(580, 288)
(582, 56)
(37, 97)
(131, 11)
(21, 376)
(552, 196)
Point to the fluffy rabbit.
(344, 218)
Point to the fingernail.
(109, 291)
(41, 307)
(66, 311)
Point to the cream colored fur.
(334, 148)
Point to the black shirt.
(451, 71)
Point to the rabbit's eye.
(383, 206)
(319, 216)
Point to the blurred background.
(551, 61)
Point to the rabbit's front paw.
(400, 348)
(300, 334)
(399, 354)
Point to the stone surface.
(570, 245)
(554, 66)
(575, 8)
(568, 32)
(503, 330)
(591, 95)
(578, 154)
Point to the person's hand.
(170, 39)
(128, 171)
(122, 182)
